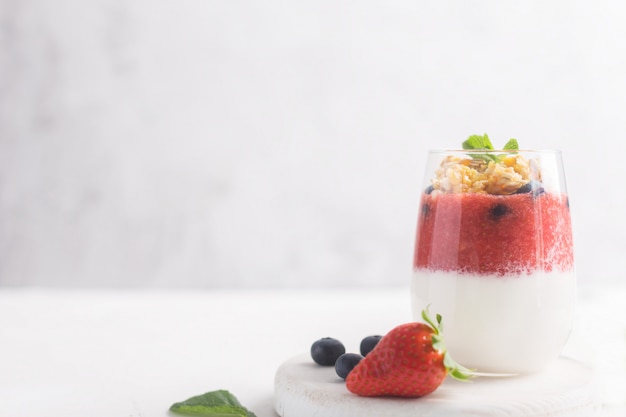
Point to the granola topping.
(503, 176)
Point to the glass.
(494, 256)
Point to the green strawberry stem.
(454, 369)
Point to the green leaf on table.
(219, 403)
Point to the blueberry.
(429, 189)
(325, 351)
(533, 186)
(369, 343)
(346, 363)
(498, 211)
(425, 210)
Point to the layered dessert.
(494, 256)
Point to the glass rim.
(493, 151)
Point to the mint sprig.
(478, 142)
(511, 145)
(219, 403)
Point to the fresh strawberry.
(410, 361)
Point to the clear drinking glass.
(494, 257)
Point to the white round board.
(565, 389)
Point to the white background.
(271, 143)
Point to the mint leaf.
(219, 403)
(511, 145)
(478, 142)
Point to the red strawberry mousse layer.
(494, 234)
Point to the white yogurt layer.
(513, 324)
